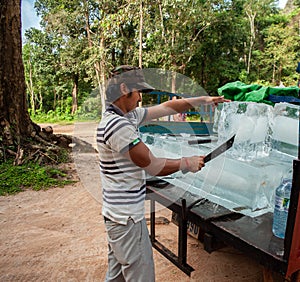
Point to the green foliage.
(52, 116)
(212, 42)
(15, 179)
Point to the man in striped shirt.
(124, 160)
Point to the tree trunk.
(75, 95)
(30, 89)
(251, 16)
(141, 36)
(99, 66)
(15, 123)
(14, 116)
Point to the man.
(124, 159)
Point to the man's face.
(133, 99)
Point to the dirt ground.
(59, 235)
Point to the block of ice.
(245, 177)
(235, 184)
(249, 121)
(285, 128)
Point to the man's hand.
(192, 164)
(214, 101)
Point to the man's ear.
(124, 89)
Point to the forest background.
(68, 58)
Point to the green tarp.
(239, 91)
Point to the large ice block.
(285, 128)
(245, 187)
(249, 186)
(250, 122)
(245, 177)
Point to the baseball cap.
(132, 76)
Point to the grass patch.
(15, 179)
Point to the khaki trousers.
(130, 256)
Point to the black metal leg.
(180, 259)
(152, 220)
(182, 235)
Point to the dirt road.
(59, 235)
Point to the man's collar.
(115, 109)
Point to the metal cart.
(252, 236)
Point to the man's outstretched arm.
(181, 105)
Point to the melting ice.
(245, 177)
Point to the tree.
(15, 123)
(19, 135)
(80, 42)
(255, 11)
(217, 57)
(281, 51)
(213, 42)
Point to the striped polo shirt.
(123, 183)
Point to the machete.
(219, 150)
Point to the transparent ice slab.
(259, 128)
(244, 187)
(244, 178)
(285, 124)
(250, 122)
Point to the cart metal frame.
(252, 236)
